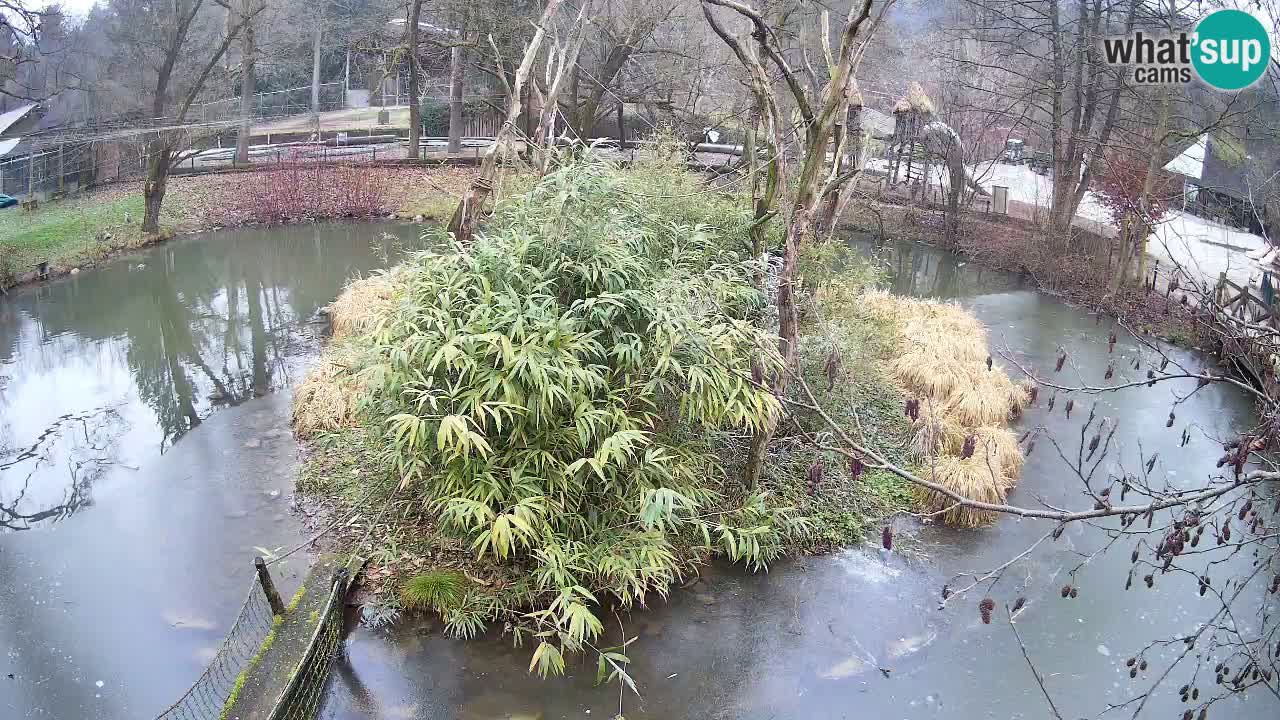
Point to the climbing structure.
(908, 158)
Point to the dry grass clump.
(362, 305)
(936, 432)
(943, 362)
(327, 399)
(969, 477)
(986, 398)
(997, 447)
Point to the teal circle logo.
(1231, 49)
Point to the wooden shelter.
(908, 158)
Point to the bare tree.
(562, 60)
(818, 109)
(1042, 62)
(19, 47)
(164, 39)
(621, 30)
(474, 201)
(244, 14)
(412, 30)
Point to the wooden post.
(268, 587)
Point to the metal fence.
(208, 696)
(302, 696)
(274, 104)
(63, 168)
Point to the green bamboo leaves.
(549, 391)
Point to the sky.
(76, 8)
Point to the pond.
(145, 455)
(860, 633)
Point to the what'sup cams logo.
(1229, 50)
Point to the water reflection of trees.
(198, 324)
(922, 271)
(84, 445)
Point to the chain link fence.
(207, 697)
(246, 646)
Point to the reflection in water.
(860, 633)
(920, 271)
(87, 443)
(140, 526)
(164, 338)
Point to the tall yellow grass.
(942, 361)
(327, 399)
(361, 305)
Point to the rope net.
(302, 696)
(207, 697)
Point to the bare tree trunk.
(1135, 230)
(160, 146)
(560, 61)
(456, 67)
(248, 83)
(153, 188)
(315, 74)
(467, 215)
(622, 127)
(809, 189)
(827, 213)
(411, 47)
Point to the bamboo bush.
(548, 390)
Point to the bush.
(552, 392)
(299, 190)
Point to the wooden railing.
(1253, 305)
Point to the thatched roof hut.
(918, 100)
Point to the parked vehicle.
(7, 201)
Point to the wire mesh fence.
(302, 696)
(274, 104)
(208, 696)
(60, 168)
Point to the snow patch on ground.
(1206, 248)
(1201, 246)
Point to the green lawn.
(70, 233)
(86, 230)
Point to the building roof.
(1239, 169)
(429, 27)
(1190, 162)
(8, 145)
(12, 117)
(1228, 166)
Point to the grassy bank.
(554, 419)
(86, 230)
(68, 234)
